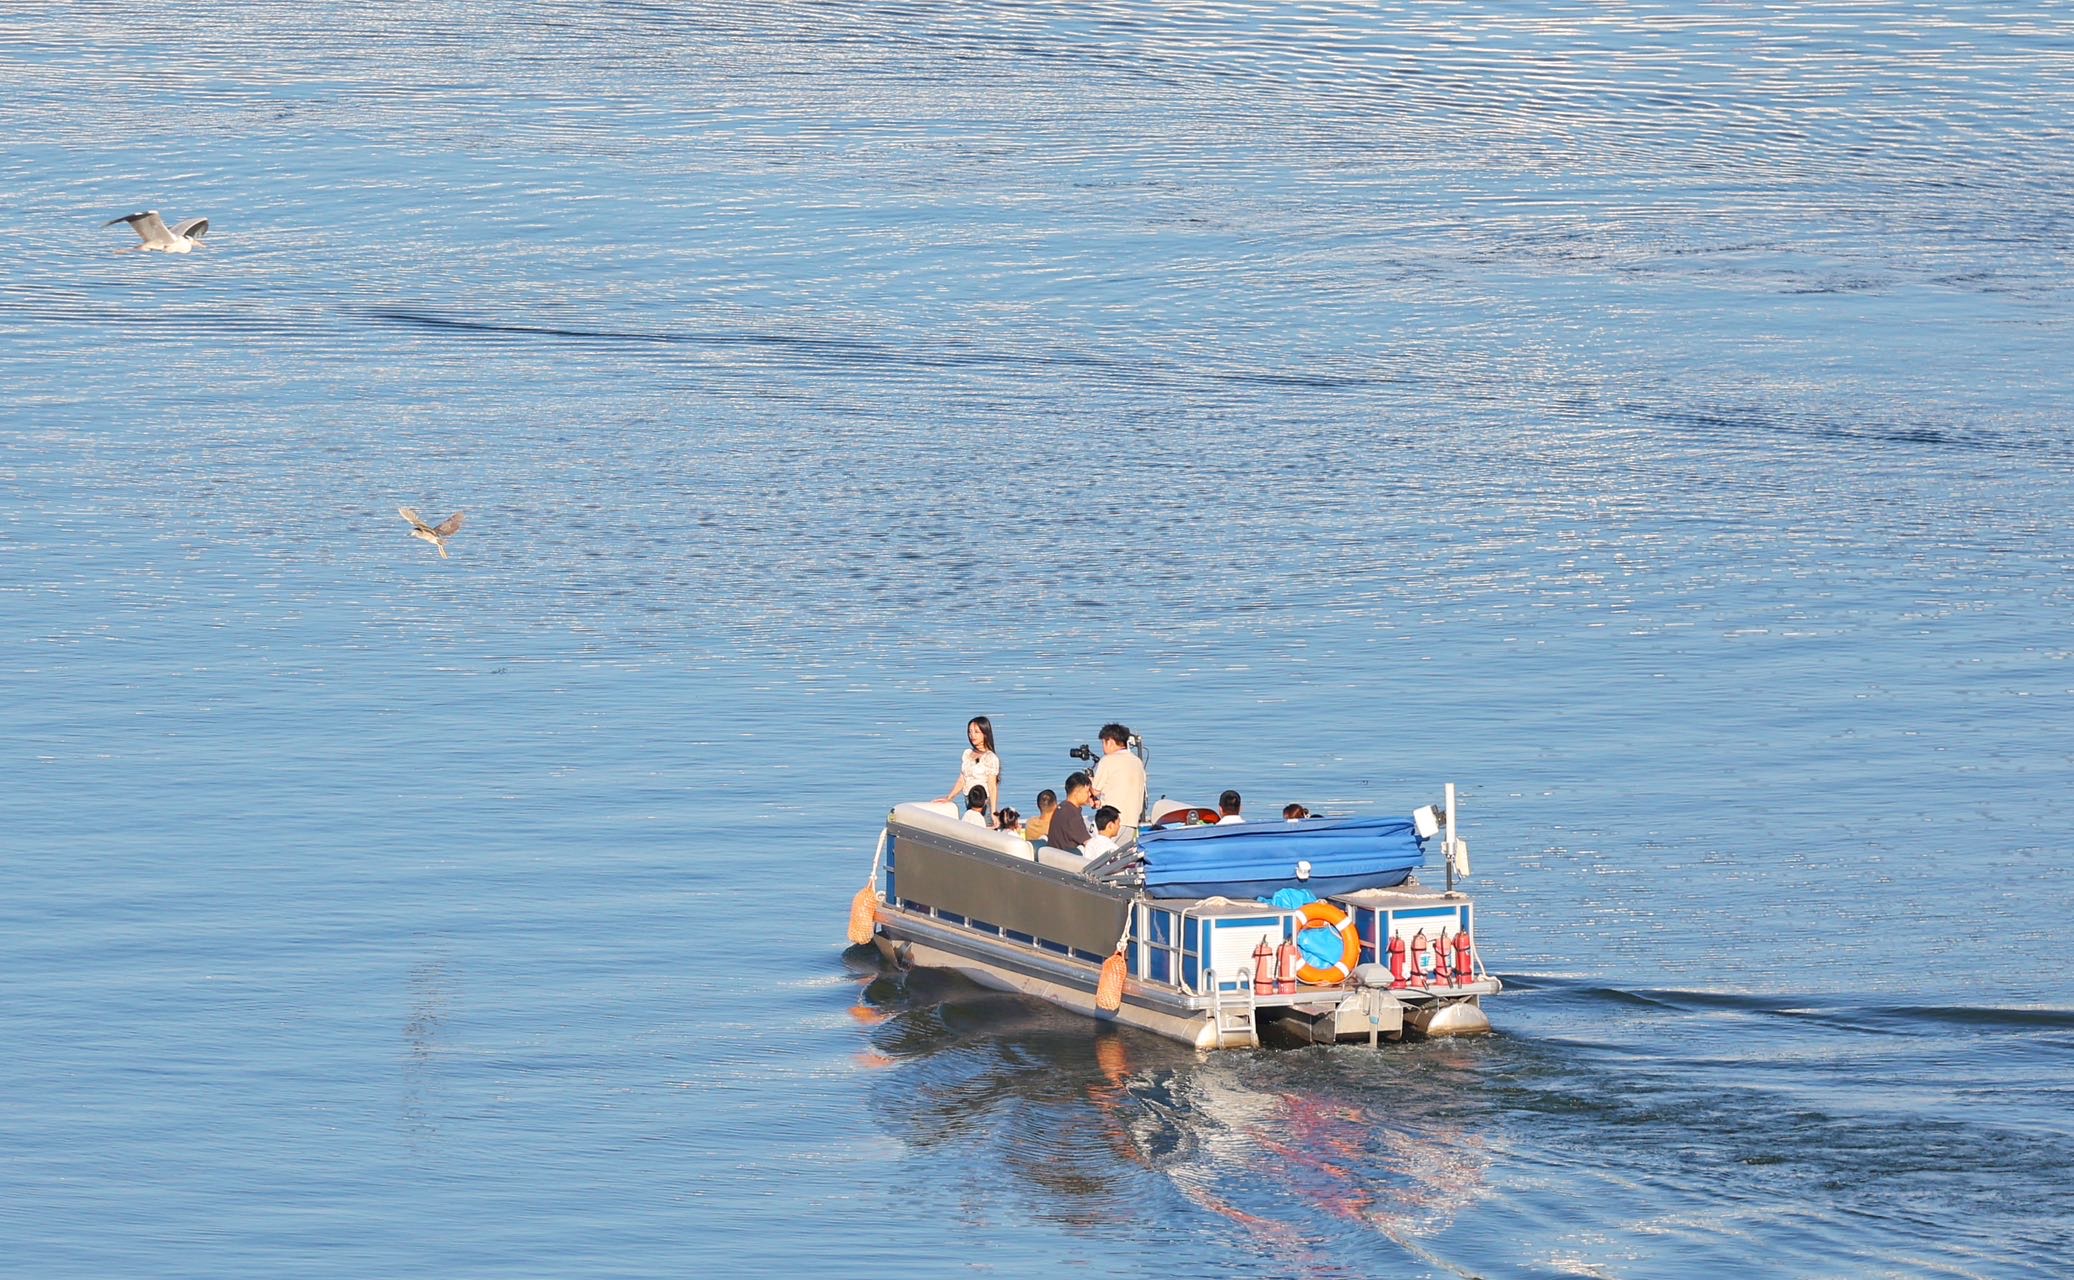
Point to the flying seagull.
(434, 534)
(152, 228)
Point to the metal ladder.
(1236, 1022)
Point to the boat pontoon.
(1313, 930)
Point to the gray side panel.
(1015, 896)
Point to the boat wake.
(1600, 1113)
(1843, 1012)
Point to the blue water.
(1653, 421)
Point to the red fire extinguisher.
(1465, 959)
(1263, 968)
(1287, 961)
(1419, 959)
(1443, 959)
(1397, 960)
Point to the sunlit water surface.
(1653, 422)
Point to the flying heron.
(183, 238)
(436, 534)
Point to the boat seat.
(1060, 860)
(942, 817)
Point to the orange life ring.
(1323, 915)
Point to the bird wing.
(452, 525)
(412, 516)
(148, 225)
(193, 228)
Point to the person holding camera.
(1120, 781)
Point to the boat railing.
(959, 873)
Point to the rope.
(1130, 913)
(872, 881)
(864, 906)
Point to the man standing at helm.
(1120, 781)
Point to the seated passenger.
(1068, 828)
(976, 806)
(1228, 808)
(1108, 823)
(1039, 826)
(1295, 812)
(1009, 823)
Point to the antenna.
(1447, 845)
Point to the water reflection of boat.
(1252, 1146)
(1296, 1158)
(1194, 914)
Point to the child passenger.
(976, 807)
(1010, 823)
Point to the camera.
(1082, 752)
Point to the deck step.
(1236, 1016)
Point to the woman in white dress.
(979, 766)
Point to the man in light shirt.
(1104, 840)
(1228, 808)
(1120, 781)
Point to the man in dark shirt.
(1068, 824)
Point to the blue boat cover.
(1253, 859)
